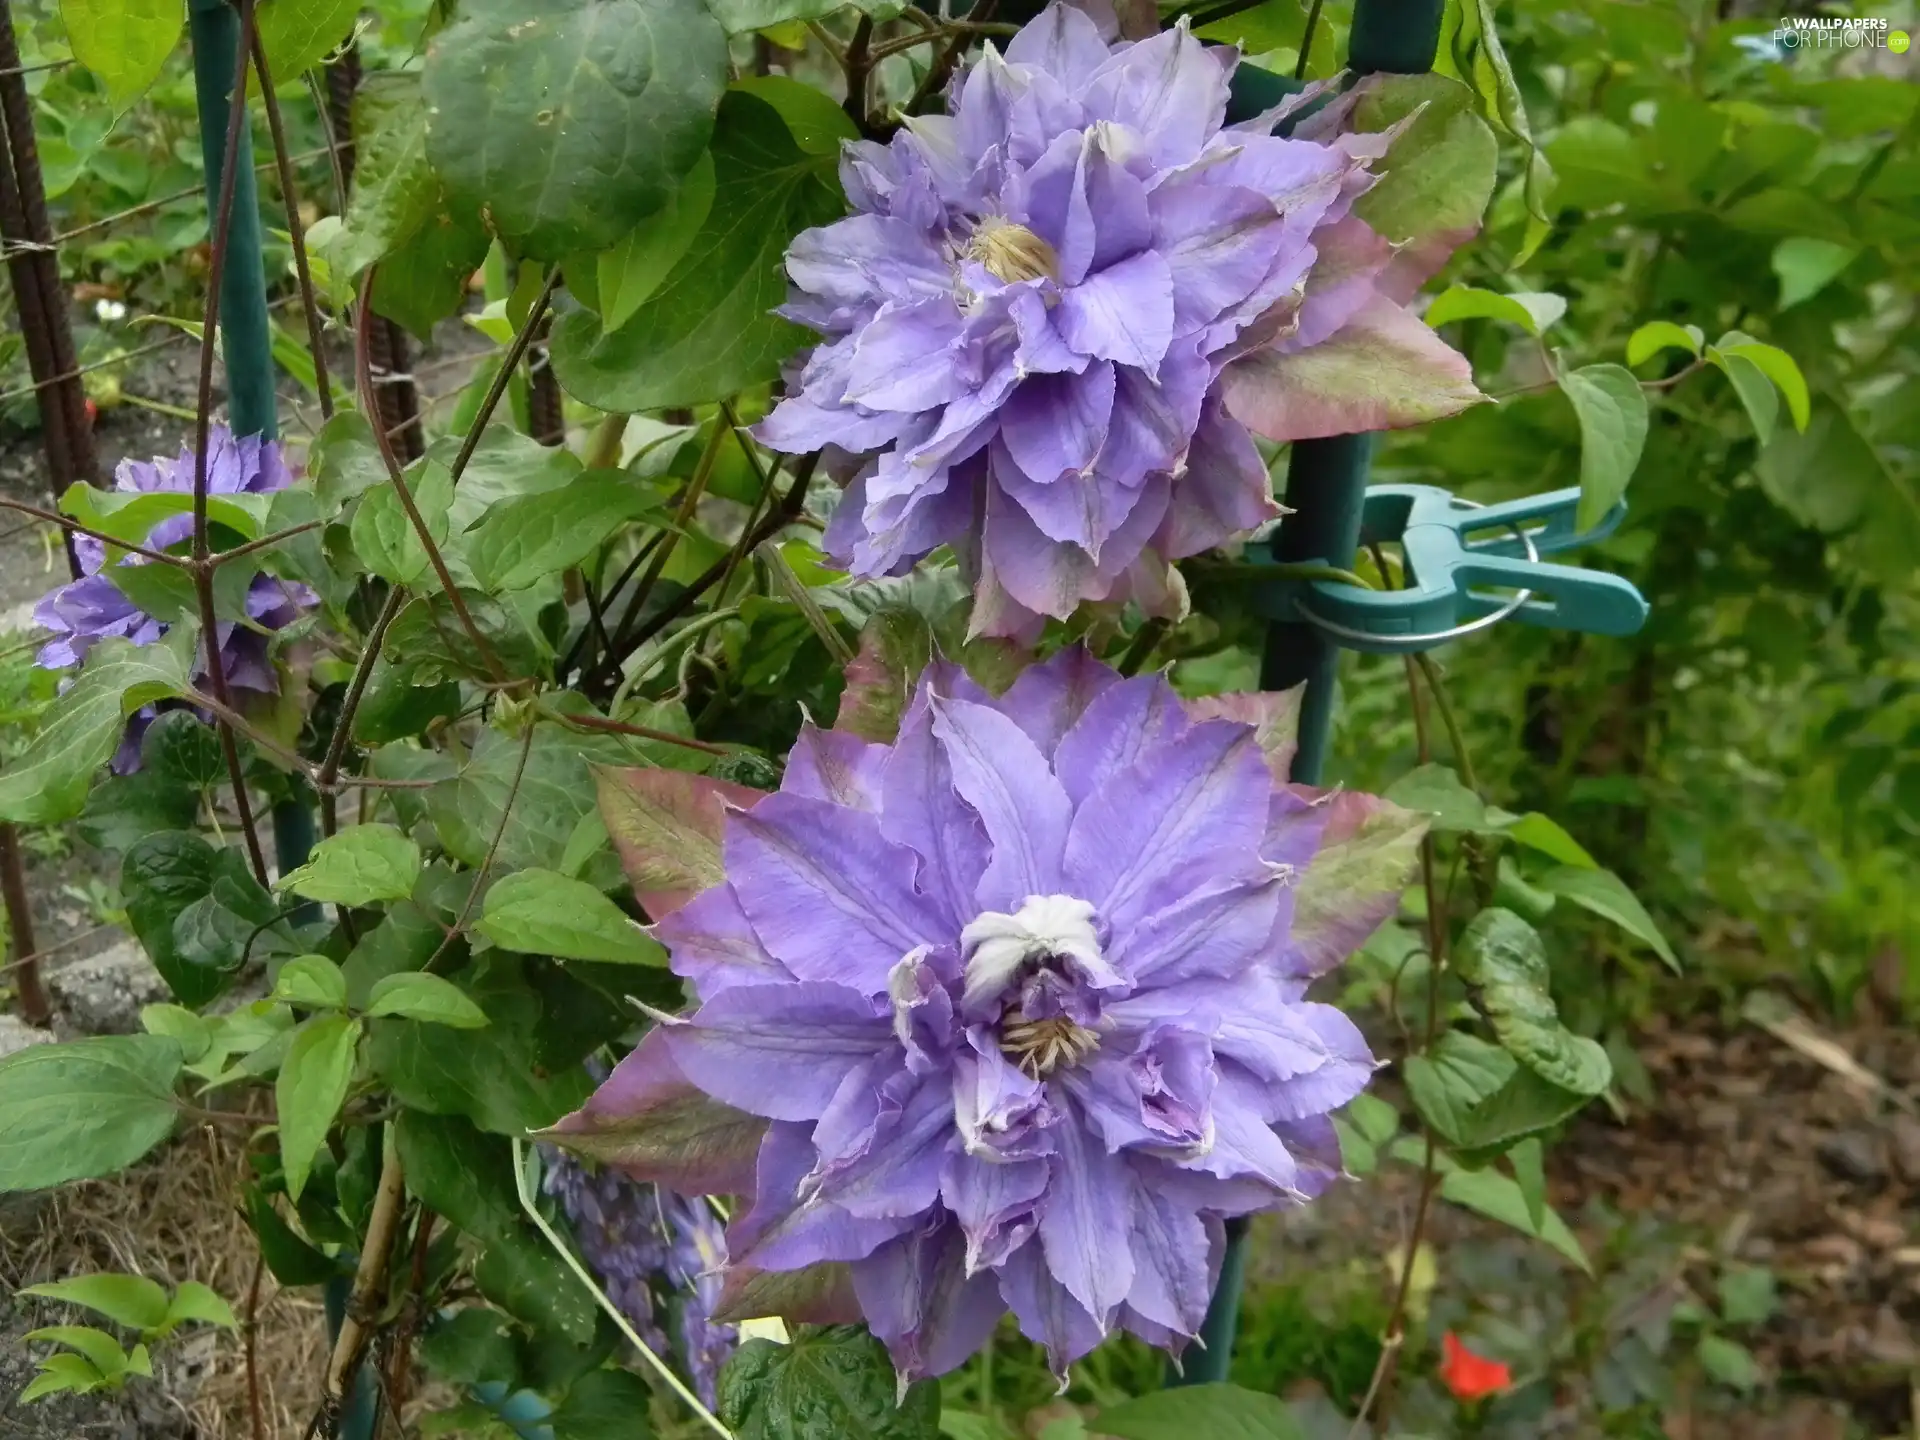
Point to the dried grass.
(176, 1217)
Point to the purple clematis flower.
(649, 1247)
(1008, 1014)
(90, 609)
(1054, 309)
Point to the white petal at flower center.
(997, 945)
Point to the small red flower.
(1469, 1376)
(93, 412)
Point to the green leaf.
(1543, 833)
(459, 1172)
(291, 1259)
(593, 111)
(101, 1350)
(182, 749)
(1756, 392)
(124, 42)
(343, 460)
(632, 269)
(1452, 1078)
(63, 1372)
(394, 192)
(1748, 1296)
(1657, 335)
(556, 789)
(122, 810)
(1774, 363)
(81, 730)
(604, 1405)
(496, 1076)
(1528, 1159)
(818, 123)
(1807, 265)
(312, 982)
(311, 1088)
(1612, 410)
(472, 1345)
(1481, 60)
(84, 1108)
(180, 1024)
(541, 912)
(1606, 895)
(1219, 1412)
(1526, 1105)
(383, 535)
(537, 536)
(423, 280)
(194, 1301)
(299, 34)
(1728, 1363)
(1532, 311)
(130, 1300)
(161, 878)
(740, 16)
(1437, 791)
(132, 514)
(418, 996)
(361, 865)
(1440, 172)
(707, 331)
(1503, 957)
(519, 1272)
(1498, 1197)
(834, 1383)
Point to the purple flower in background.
(647, 1246)
(1008, 1014)
(1055, 308)
(92, 608)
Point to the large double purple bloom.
(1017, 1001)
(1030, 319)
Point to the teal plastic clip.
(1468, 567)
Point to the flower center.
(1012, 252)
(1037, 975)
(1040, 1047)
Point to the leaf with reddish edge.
(649, 1121)
(666, 826)
(1382, 370)
(895, 646)
(814, 1295)
(1274, 715)
(1367, 856)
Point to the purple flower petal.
(779, 1050)
(1124, 313)
(1005, 778)
(1047, 1313)
(923, 1302)
(828, 894)
(837, 767)
(1047, 699)
(1084, 1226)
(1054, 425)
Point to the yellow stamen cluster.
(1012, 252)
(1039, 1047)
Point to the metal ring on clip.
(1435, 637)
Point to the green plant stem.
(1448, 718)
(509, 367)
(53, 517)
(1306, 41)
(397, 478)
(603, 445)
(692, 630)
(1145, 641)
(296, 232)
(669, 541)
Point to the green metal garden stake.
(246, 344)
(1326, 486)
